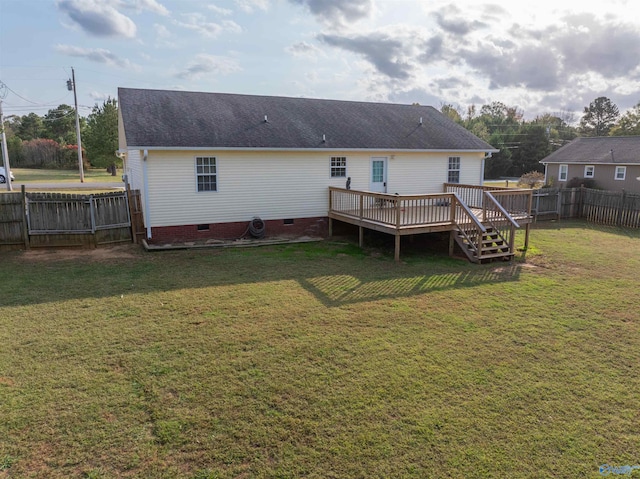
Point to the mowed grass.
(322, 361)
(91, 175)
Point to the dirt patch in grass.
(98, 255)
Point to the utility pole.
(5, 153)
(71, 85)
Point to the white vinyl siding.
(134, 170)
(276, 185)
(621, 173)
(563, 173)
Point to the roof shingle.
(598, 150)
(179, 119)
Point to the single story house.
(208, 163)
(613, 162)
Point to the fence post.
(92, 215)
(581, 201)
(25, 226)
(621, 208)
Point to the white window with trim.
(206, 173)
(621, 173)
(453, 171)
(338, 167)
(589, 171)
(563, 173)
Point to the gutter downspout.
(145, 181)
(488, 154)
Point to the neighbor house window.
(589, 171)
(453, 175)
(564, 173)
(338, 167)
(206, 173)
(621, 172)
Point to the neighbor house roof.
(598, 150)
(179, 119)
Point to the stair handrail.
(500, 208)
(477, 245)
(506, 235)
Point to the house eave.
(592, 162)
(386, 150)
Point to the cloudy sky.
(551, 56)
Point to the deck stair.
(492, 245)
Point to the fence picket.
(607, 208)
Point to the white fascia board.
(593, 163)
(386, 150)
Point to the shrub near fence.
(597, 206)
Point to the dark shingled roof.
(626, 149)
(174, 119)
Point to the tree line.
(49, 141)
(523, 144)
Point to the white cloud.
(97, 18)
(219, 10)
(149, 5)
(251, 6)
(303, 49)
(99, 96)
(199, 23)
(97, 55)
(205, 63)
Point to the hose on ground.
(256, 227)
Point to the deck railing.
(495, 215)
(396, 211)
(468, 226)
(517, 202)
(471, 194)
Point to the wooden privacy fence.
(55, 219)
(609, 208)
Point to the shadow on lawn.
(341, 289)
(335, 274)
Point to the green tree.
(29, 127)
(60, 124)
(533, 147)
(101, 136)
(629, 123)
(599, 117)
(451, 112)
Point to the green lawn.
(33, 175)
(318, 360)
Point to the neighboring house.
(613, 162)
(207, 163)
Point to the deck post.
(484, 208)
(360, 236)
(451, 242)
(397, 252)
(453, 210)
(512, 239)
(25, 225)
(330, 227)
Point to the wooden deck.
(499, 210)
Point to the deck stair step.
(491, 246)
